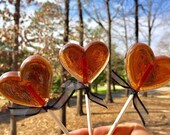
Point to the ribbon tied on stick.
(138, 105)
(68, 88)
(29, 88)
(145, 72)
(85, 64)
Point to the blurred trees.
(81, 37)
(163, 47)
(65, 40)
(15, 54)
(45, 29)
(11, 38)
(44, 35)
(23, 33)
(104, 17)
(42, 32)
(117, 66)
(154, 10)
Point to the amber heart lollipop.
(29, 86)
(84, 63)
(144, 70)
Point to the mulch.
(158, 120)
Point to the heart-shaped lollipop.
(144, 70)
(84, 63)
(29, 86)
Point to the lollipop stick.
(60, 124)
(120, 114)
(88, 114)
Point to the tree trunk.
(145, 94)
(113, 84)
(13, 125)
(108, 77)
(126, 37)
(65, 40)
(136, 22)
(81, 34)
(16, 31)
(80, 103)
(149, 22)
(125, 28)
(63, 109)
(15, 58)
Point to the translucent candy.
(29, 86)
(84, 63)
(144, 70)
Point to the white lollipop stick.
(60, 124)
(112, 129)
(88, 114)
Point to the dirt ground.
(158, 120)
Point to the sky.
(156, 36)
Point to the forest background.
(43, 27)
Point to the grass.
(102, 89)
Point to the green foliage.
(118, 62)
(92, 34)
(101, 79)
(6, 57)
(56, 84)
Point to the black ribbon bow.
(68, 88)
(138, 105)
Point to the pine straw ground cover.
(158, 120)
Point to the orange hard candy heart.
(37, 70)
(84, 63)
(144, 70)
(29, 86)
